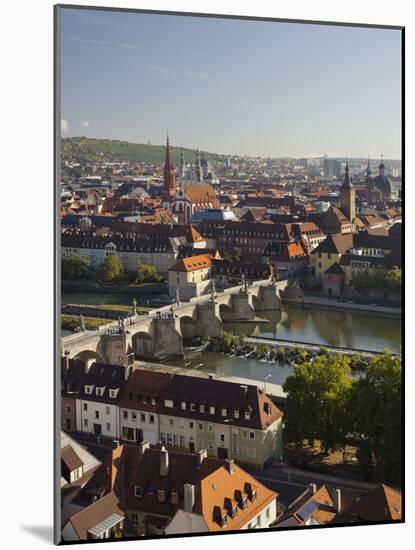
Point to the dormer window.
(137, 491)
(233, 512)
(88, 389)
(114, 393)
(224, 411)
(202, 408)
(224, 520)
(236, 413)
(212, 410)
(184, 405)
(100, 391)
(193, 407)
(153, 401)
(174, 497)
(167, 403)
(247, 415)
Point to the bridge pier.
(168, 341)
(241, 308)
(208, 321)
(267, 299)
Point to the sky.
(256, 88)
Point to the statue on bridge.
(134, 307)
(82, 323)
(244, 285)
(177, 296)
(213, 291)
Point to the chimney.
(337, 500)
(200, 456)
(144, 445)
(312, 487)
(189, 497)
(164, 462)
(230, 466)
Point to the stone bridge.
(159, 335)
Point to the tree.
(75, 267)
(317, 400)
(382, 282)
(377, 407)
(233, 255)
(111, 270)
(147, 274)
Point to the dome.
(383, 184)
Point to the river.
(359, 330)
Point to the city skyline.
(223, 86)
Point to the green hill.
(84, 150)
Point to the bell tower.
(169, 189)
(348, 198)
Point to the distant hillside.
(83, 150)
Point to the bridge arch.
(142, 344)
(189, 326)
(89, 356)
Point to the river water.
(358, 330)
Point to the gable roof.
(381, 504)
(194, 263)
(93, 515)
(335, 244)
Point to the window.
(96, 414)
(134, 415)
(201, 427)
(85, 422)
(268, 513)
(247, 416)
(244, 434)
(171, 421)
(151, 418)
(108, 427)
(153, 400)
(167, 403)
(183, 405)
(125, 414)
(134, 518)
(191, 425)
(107, 410)
(224, 412)
(210, 445)
(88, 389)
(192, 406)
(222, 438)
(85, 406)
(210, 427)
(99, 391)
(113, 393)
(212, 410)
(251, 435)
(137, 491)
(142, 417)
(252, 452)
(236, 413)
(68, 409)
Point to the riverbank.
(94, 287)
(312, 300)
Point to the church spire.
(169, 174)
(347, 183)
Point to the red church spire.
(169, 174)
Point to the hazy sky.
(244, 87)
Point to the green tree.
(147, 274)
(111, 270)
(317, 400)
(75, 267)
(376, 401)
(233, 255)
(382, 282)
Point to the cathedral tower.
(348, 198)
(169, 175)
